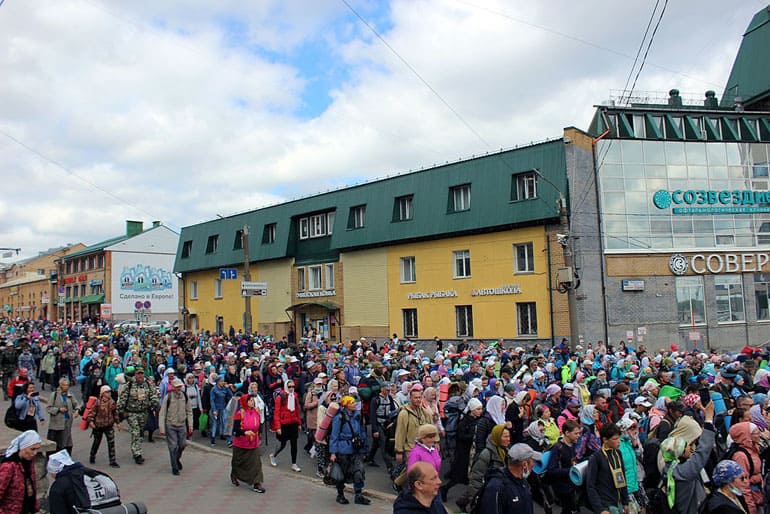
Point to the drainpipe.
(602, 261)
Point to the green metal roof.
(490, 177)
(95, 247)
(750, 76)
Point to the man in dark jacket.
(422, 494)
(605, 479)
(69, 489)
(509, 493)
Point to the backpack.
(644, 429)
(11, 417)
(474, 504)
(652, 476)
(97, 491)
(733, 449)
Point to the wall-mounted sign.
(632, 285)
(716, 263)
(431, 294)
(95, 283)
(491, 291)
(317, 294)
(714, 202)
(253, 288)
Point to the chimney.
(134, 228)
(674, 100)
(711, 100)
(156, 223)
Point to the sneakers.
(296, 468)
(342, 500)
(362, 500)
(257, 488)
(139, 459)
(272, 460)
(175, 472)
(319, 474)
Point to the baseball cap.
(520, 452)
(644, 402)
(177, 383)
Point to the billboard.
(145, 277)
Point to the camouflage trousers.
(136, 429)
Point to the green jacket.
(628, 454)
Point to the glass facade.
(632, 171)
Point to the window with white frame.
(462, 263)
(526, 317)
(403, 208)
(301, 279)
(304, 228)
(729, 296)
(524, 186)
(217, 288)
(357, 217)
(410, 322)
(690, 301)
(317, 225)
(461, 197)
(408, 272)
(193, 290)
(329, 222)
(524, 256)
(464, 320)
(314, 273)
(329, 276)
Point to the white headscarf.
(58, 460)
(25, 440)
(290, 402)
(496, 409)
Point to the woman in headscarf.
(347, 447)
(589, 440)
(758, 417)
(746, 437)
(550, 428)
(466, 427)
(246, 464)
(18, 482)
(581, 388)
(729, 478)
(534, 436)
(430, 403)
(492, 456)
(287, 422)
(685, 490)
(493, 415)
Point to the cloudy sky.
(184, 110)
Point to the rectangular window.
(526, 317)
(193, 290)
(402, 210)
(315, 277)
(68, 293)
(84, 264)
(217, 288)
(268, 234)
(462, 263)
(690, 302)
(524, 186)
(729, 294)
(357, 217)
(762, 293)
(75, 266)
(75, 291)
(408, 272)
(524, 256)
(410, 322)
(329, 222)
(300, 279)
(92, 262)
(318, 225)
(329, 276)
(211, 244)
(460, 198)
(41, 271)
(100, 259)
(304, 228)
(69, 266)
(464, 320)
(238, 241)
(82, 289)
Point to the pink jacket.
(422, 454)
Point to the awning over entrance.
(92, 298)
(325, 305)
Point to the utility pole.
(567, 277)
(247, 278)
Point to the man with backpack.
(135, 401)
(381, 409)
(508, 492)
(175, 423)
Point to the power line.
(639, 50)
(649, 45)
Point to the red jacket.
(12, 487)
(282, 415)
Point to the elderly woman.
(18, 482)
(746, 438)
(62, 409)
(730, 479)
(347, 446)
(466, 427)
(246, 465)
(425, 448)
(589, 440)
(430, 403)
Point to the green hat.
(672, 392)
(139, 369)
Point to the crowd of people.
(612, 428)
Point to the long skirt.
(246, 465)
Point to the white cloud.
(187, 111)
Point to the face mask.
(525, 473)
(736, 491)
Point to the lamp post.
(247, 278)
(566, 278)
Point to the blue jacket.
(506, 494)
(22, 404)
(219, 397)
(341, 436)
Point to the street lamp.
(567, 279)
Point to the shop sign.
(431, 294)
(79, 278)
(317, 294)
(492, 291)
(45, 299)
(95, 283)
(713, 202)
(105, 310)
(632, 285)
(716, 263)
